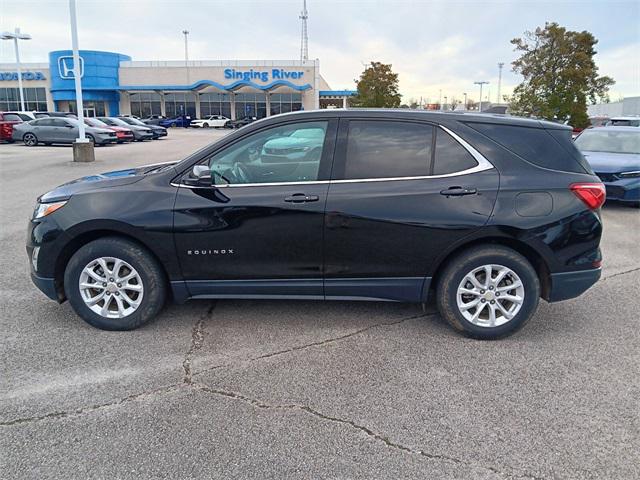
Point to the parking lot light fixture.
(15, 36)
(482, 82)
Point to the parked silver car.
(140, 133)
(50, 130)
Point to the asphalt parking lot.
(277, 389)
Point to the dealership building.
(113, 84)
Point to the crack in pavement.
(197, 340)
(376, 436)
(93, 408)
(315, 344)
(620, 273)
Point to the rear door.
(258, 230)
(401, 192)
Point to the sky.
(435, 46)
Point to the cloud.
(435, 45)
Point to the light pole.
(500, 65)
(15, 36)
(82, 147)
(186, 47)
(465, 101)
(440, 99)
(483, 82)
(185, 32)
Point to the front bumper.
(46, 286)
(572, 284)
(621, 189)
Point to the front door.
(402, 192)
(257, 231)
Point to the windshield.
(116, 121)
(133, 121)
(610, 141)
(94, 122)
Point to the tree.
(560, 75)
(454, 103)
(377, 87)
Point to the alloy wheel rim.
(30, 138)
(490, 295)
(111, 287)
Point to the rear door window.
(386, 149)
(451, 157)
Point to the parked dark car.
(156, 130)
(50, 130)
(614, 154)
(484, 213)
(140, 133)
(241, 122)
(181, 121)
(7, 121)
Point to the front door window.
(285, 154)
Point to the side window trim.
(341, 153)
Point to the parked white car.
(212, 121)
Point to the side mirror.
(200, 176)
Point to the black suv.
(485, 212)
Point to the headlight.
(44, 209)
(634, 174)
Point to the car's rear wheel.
(205, 125)
(30, 140)
(114, 284)
(90, 137)
(488, 292)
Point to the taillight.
(592, 194)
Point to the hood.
(138, 128)
(604, 162)
(120, 129)
(115, 178)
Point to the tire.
(500, 259)
(30, 139)
(173, 124)
(205, 125)
(149, 276)
(90, 137)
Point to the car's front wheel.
(30, 140)
(114, 284)
(488, 292)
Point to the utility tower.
(500, 65)
(304, 40)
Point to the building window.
(215, 104)
(285, 102)
(144, 105)
(251, 105)
(182, 103)
(35, 99)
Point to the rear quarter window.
(551, 149)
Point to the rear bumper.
(572, 284)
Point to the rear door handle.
(458, 191)
(301, 198)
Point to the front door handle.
(301, 198)
(458, 191)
